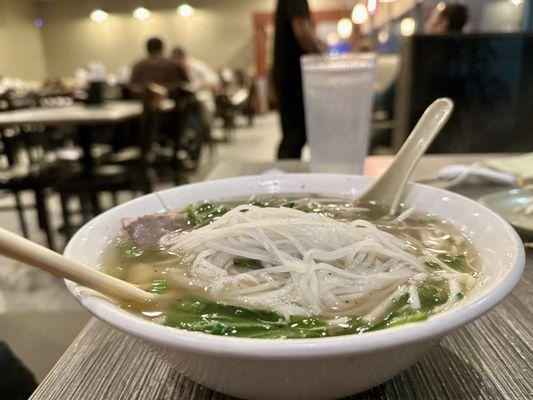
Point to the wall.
(21, 49)
(220, 32)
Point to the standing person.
(294, 37)
(156, 69)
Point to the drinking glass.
(338, 94)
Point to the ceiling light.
(98, 16)
(383, 36)
(344, 28)
(141, 13)
(332, 39)
(372, 6)
(517, 2)
(407, 26)
(359, 14)
(185, 10)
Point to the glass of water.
(338, 94)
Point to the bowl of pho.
(288, 287)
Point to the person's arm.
(303, 31)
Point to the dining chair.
(29, 167)
(183, 133)
(127, 170)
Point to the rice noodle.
(312, 264)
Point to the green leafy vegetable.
(191, 216)
(383, 324)
(196, 314)
(221, 319)
(396, 319)
(408, 319)
(203, 208)
(432, 264)
(378, 212)
(204, 214)
(460, 296)
(401, 301)
(117, 271)
(159, 286)
(432, 294)
(130, 249)
(192, 305)
(262, 204)
(375, 214)
(247, 263)
(212, 307)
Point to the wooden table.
(77, 114)
(86, 118)
(490, 358)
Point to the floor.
(38, 317)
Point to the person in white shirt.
(203, 80)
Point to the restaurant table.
(87, 118)
(490, 358)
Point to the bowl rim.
(250, 348)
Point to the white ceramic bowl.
(321, 368)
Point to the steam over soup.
(292, 267)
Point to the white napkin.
(518, 166)
(511, 170)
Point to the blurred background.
(86, 123)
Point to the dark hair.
(178, 52)
(456, 15)
(154, 45)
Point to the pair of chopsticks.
(28, 252)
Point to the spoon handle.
(28, 252)
(389, 188)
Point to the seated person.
(449, 18)
(156, 69)
(201, 77)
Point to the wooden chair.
(128, 170)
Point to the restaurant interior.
(106, 101)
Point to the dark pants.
(292, 117)
(16, 381)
